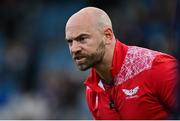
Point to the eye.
(82, 39)
(69, 42)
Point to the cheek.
(92, 47)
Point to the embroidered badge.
(132, 93)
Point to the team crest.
(131, 92)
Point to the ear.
(108, 35)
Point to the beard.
(93, 59)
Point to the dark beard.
(95, 58)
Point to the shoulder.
(163, 74)
(141, 57)
(150, 59)
(163, 58)
(164, 65)
(137, 60)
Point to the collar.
(93, 79)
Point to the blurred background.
(38, 79)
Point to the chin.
(83, 68)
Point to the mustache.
(78, 56)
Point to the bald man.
(125, 82)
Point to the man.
(125, 82)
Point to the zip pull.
(111, 103)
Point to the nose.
(75, 47)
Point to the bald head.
(91, 15)
(90, 38)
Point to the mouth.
(79, 60)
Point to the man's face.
(86, 45)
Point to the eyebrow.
(79, 36)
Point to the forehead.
(80, 23)
(76, 30)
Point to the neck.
(105, 73)
(104, 68)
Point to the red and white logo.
(132, 93)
